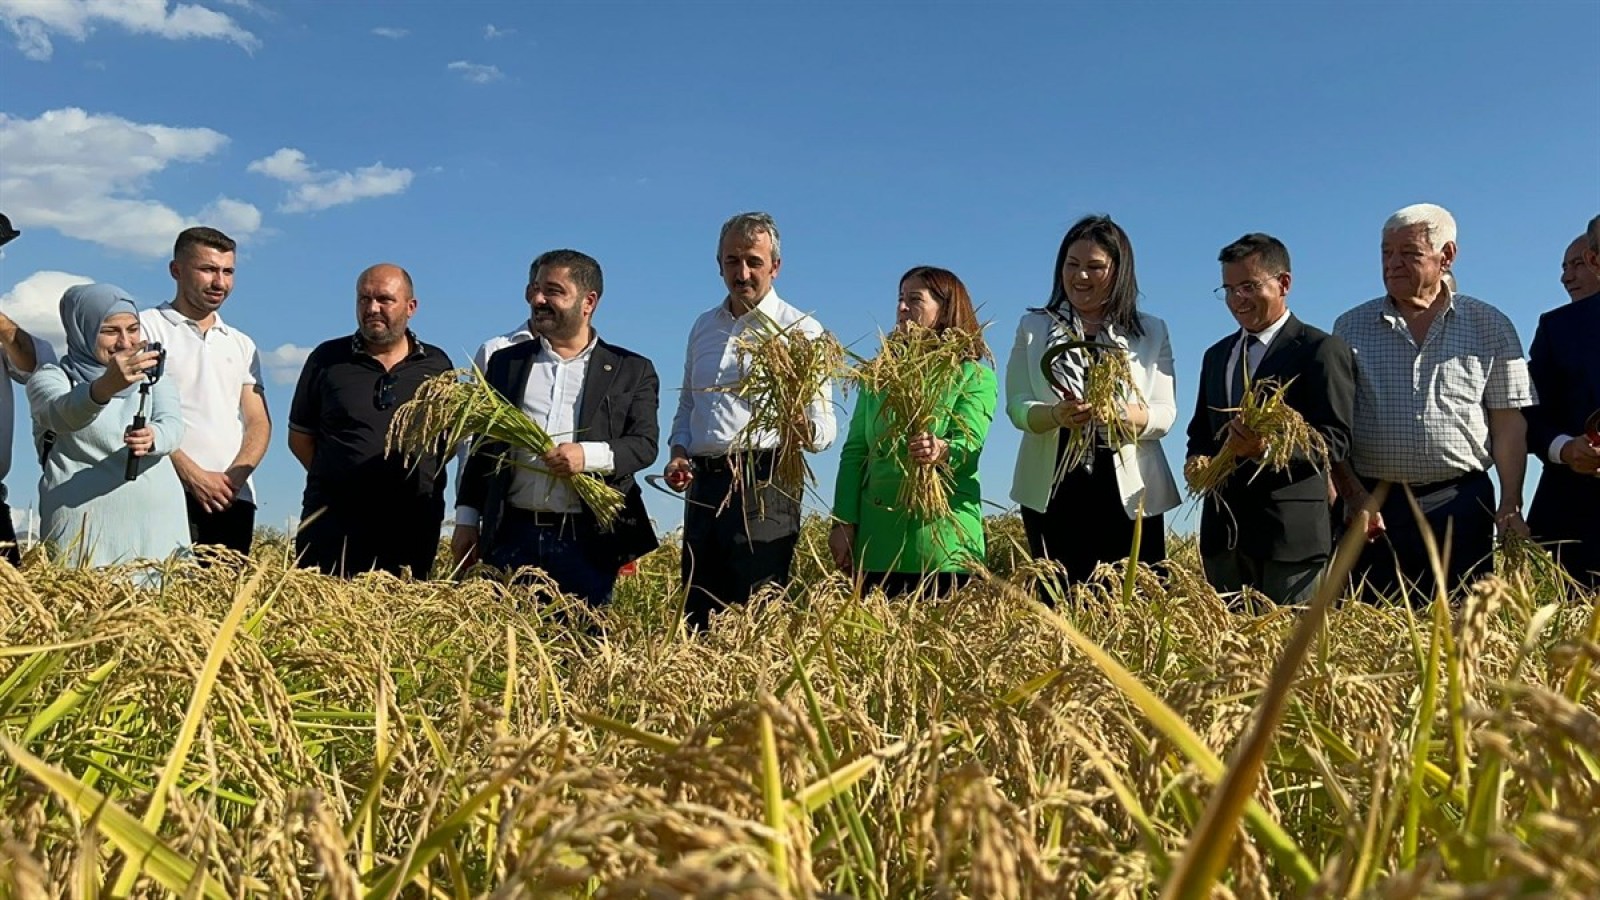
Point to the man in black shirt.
(362, 510)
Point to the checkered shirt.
(1421, 414)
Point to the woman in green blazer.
(890, 548)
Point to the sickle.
(1047, 362)
(1593, 428)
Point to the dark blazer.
(1280, 516)
(618, 406)
(1565, 363)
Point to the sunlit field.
(255, 730)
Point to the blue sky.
(462, 139)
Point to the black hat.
(7, 233)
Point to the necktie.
(1236, 390)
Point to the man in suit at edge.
(598, 401)
(1269, 530)
(1565, 364)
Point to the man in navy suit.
(1269, 530)
(1565, 364)
(598, 402)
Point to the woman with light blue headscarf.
(83, 410)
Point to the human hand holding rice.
(1265, 428)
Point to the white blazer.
(1142, 470)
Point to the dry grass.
(1288, 437)
(461, 405)
(384, 738)
(914, 374)
(784, 372)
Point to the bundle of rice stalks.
(1264, 411)
(785, 371)
(461, 404)
(1107, 387)
(913, 373)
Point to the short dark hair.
(955, 303)
(1122, 304)
(201, 236)
(583, 268)
(1271, 251)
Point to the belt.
(724, 462)
(1422, 490)
(541, 518)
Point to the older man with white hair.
(1440, 383)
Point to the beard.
(557, 323)
(380, 333)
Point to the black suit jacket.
(1281, 516)
(618, 406)
(1565, 363)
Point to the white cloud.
(86, 175)
(393, 34)
(283, 365)
(490, 32)
(35, 22)
(35, 304)
(316, 189)
(475, 72)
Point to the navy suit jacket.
(1279, 516)
(618, 406)
(1565, 363)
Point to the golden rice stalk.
(461, 404)
(913, 374)
(1108, 388)
(784, 371)
(1264, 411)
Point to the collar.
(1267, 334)
(1389, 312)
(418, 349)
(767, 306)
(170, 312)
(546, 351)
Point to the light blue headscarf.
(83, 310)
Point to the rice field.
(262, 731)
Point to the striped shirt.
(1421, 413)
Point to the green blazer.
(870, 474)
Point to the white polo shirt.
(210, 370)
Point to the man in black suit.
(598, 401)
(1565, 364)
(1269, 530)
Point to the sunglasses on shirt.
(383, 392)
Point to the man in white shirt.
(598, 402)
(736, 538)
(217, 371)
(20, 356)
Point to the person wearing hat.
(20, 357)
(84, 407)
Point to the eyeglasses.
(1249, 290)
(383, 392)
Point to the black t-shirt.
(346, 400)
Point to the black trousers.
(1465, 505)
(9, 551)
(1085, 524)
(735, 538)
(899, 584)
(346, 542)
(233, 528)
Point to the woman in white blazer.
(1086, 517)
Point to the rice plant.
(1286, 433)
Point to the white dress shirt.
(1258, 352)
(8, 374)
(551, 399)
(708, 422)
(211, 369)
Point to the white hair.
(1439, 225)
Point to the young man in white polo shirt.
(217, 371)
